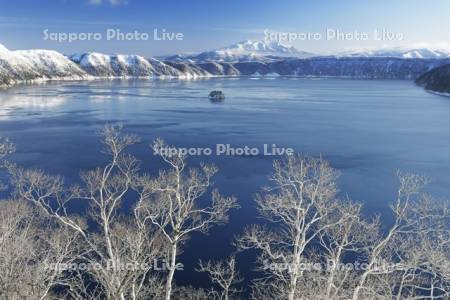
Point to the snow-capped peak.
(5, 54)
(247, 50)
(262, 48)
(3, 49)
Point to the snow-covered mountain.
(32, 65)
(245, 51)
(118, 65)
(400, 53)
(262, 48)
(260, 51)
(16, 66)
(22, 66)
(99, 64)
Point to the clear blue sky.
(209, 24)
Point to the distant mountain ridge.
(400, 53)
(247, 50)
(262, 51)
(32, 65)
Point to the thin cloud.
(240, 30)
(110, 2)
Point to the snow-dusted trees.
(225, 276)
(317, 246)
(314, 245)
(300, 203)
(119, 248)
(6, 147)
(31, 248)
(175, 206)
(411, 260)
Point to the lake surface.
(367, 129)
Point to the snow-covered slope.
(30, 65)
(400, 53)
(245, 51)
(103, 65)
(98, 64)
(19, 66)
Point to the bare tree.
(300, 203)
(176, 208)
(225, 275)
(191, 293)
(411, 259)
(347, 237)
(396, 260)
(32, 249)
(308, 225)
(120, 248)
(311, 226)
(6, 147)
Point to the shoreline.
(88, 78)
(438, 93)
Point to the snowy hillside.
(98, 64)
(400, 53)
(103, 65)
(30, 65)
(247, 59)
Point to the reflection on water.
(26, 105)
(367, 129)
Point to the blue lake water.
(367, 129)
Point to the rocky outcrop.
(216, 96)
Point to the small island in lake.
(216, 96)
